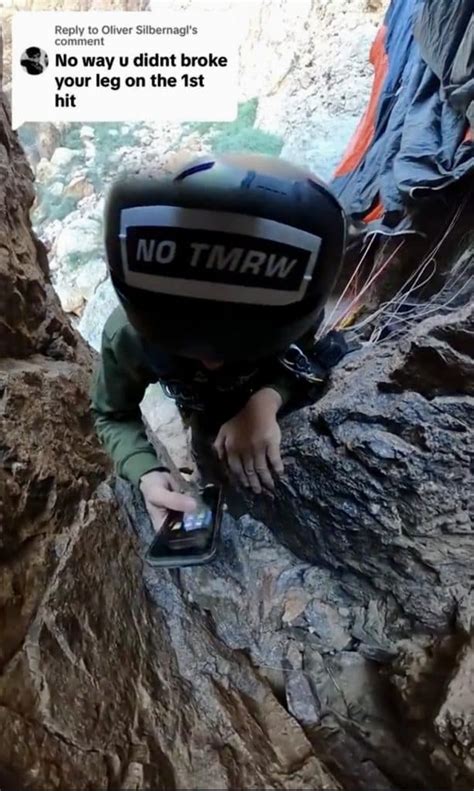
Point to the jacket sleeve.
(118, 388)
(284, 384)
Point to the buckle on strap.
(296, 361)
(324, 355)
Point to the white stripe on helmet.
(224, 222)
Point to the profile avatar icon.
(34, 60)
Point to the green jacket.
(128, 365)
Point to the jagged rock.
(383, 475)
(45, 171)
(316, 146)
(71, 299)
(455, 721)
(95, 690)
(80, 238)
(437, 360)
(312, 94)
(87, 133)
(96, 313)
(48, 139)
(166, 708)
(90, 276)
(30, 314)
(63, 158)
(75, 287)
(337, 693)
(48, 238)
(164, 419)
(56, 189)
(79, 187)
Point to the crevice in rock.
(17, 553)
(11, 782)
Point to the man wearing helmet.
(219, 273)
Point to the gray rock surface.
(96, 313)
(455, 721)
(381, 469)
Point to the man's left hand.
(250, 441)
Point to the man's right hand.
(161, 494)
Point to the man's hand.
(161, 494)
(250, 441)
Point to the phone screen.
(189, 535)
(198, 520)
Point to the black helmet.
(232, 259)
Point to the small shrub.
(246, 115)
(71, 137)
(238, 135)
(251, 140)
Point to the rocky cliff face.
(322, 82)
(98, 688)
(329, 645)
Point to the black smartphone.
(189, 539)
